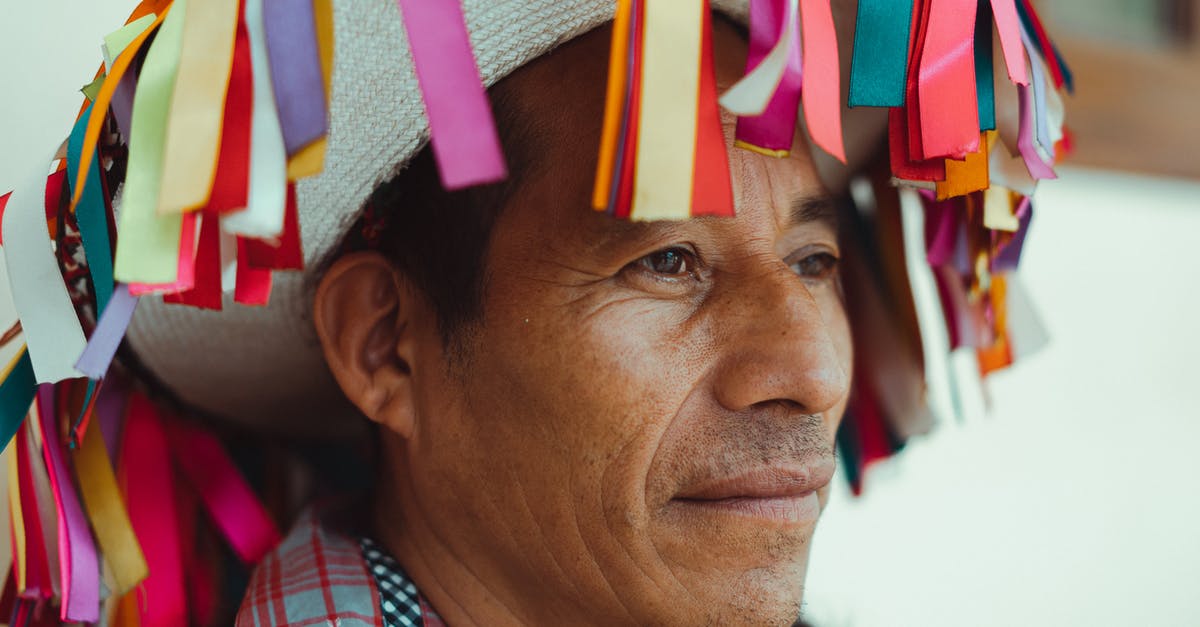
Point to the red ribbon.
(232, 181)
(712, 191)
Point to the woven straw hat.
(262, 366)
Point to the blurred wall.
(1074, 502)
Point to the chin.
(752, 577)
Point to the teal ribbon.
(92, 215)
(16, 395)
(985, 88)
(879, 67)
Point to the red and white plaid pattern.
(316, 577)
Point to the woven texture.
(262, 366)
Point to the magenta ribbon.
(942, 231)
(946, 81)
(38, 581)
(775, 128)
(295, 62)
(78, 562)
(462, 131)
(150, 494)
(230, 502)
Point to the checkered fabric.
(320, 577)
(400, 602)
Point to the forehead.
(556, 104)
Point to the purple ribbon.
(78, 563)
(107, 337)
(295, 71)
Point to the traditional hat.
(228, 144)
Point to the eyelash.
(685, 259)
(685, 263)
(828, 265)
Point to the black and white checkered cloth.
(397, 595)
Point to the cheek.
(837, 321)
(587, 393)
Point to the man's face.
(642, 427)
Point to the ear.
(363, 314)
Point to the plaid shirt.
(320, 577)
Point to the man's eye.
(669, 262)
(816, 266)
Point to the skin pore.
(640, 427)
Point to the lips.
(783, 493)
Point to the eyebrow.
(822, 208)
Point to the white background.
(1074, 501)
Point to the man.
(605, 422)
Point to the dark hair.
(440, 238)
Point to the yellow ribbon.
(16, 517)
(193, 139)
(667, 123)
(106, 510)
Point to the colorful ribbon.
(106, 338)
(106, 511)
(48, 317)
(78, 563)
(193, 126)
(462, 132)
(227, 497)
(878, 69)
(947, 77)
(772, 131)
(92, 215)
(149, 484)
(985, 85)
(148, 247)
(263, 216)
(291, 37)
(667, 131)
(752, 94)
(1009, 27)
(822, 78)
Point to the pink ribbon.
(78, 563)
(462, 132)
(822, 79)
(948, 100)
(775, 128)
(1008, 24)
(1038, 168)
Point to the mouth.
(777, 494)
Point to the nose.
(779, 345)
